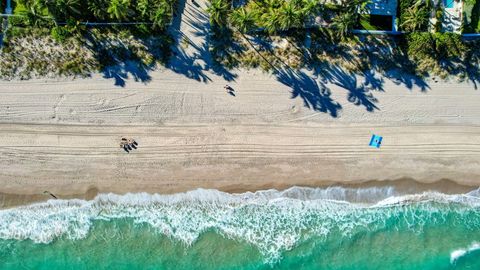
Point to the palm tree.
(119, 9)
(34, 12)
(270, 20)
(162, 14)
(310, 8)
(428, 3)
(143, 7)
(344, 23)
(415, 18)
(61, 10)
(272, 3)
(98, 8)
(242, 19)
(32, 16)
(289, 16)
(218, 12)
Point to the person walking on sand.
(229, 89)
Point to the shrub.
(17, 21)
(60, 33)
(448, 45)
(420, 45)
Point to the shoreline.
(401, 186)
(69, 160)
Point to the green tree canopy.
(218, 10)
(242, 19)
(119, 9)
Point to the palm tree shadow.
(120, 72)
(184, 64)
(358, 94)
(195, 60)
(472, 70)
(400, 77)
(118, 66)
(315, 95)
(372, 81)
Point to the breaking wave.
(273, 221)
(459, 253)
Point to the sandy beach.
(63, 136)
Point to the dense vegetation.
(67, 17)
(275, 16)
(37, 12)
(269, 34)
(272, 34)
(414, 15)
(92, 28)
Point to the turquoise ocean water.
(300, 228)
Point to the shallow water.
(300, 228)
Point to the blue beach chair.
(375, 141)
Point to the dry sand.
(63, 136)
(275, 132)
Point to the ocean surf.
(298, 228)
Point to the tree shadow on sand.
(120, 61)
(120, 72)
(359, 94)
(193, 59)
(315, 94)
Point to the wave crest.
(273, 221)
(459, 253)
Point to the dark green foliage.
(440, 46)
(60, 33)
(448, 45)
(272, 15)
(438, 53)
(471, 16)
(414, 15)
(218, 11)
(156, 13)
(420, 45)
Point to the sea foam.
(271, 220)
(459, 253)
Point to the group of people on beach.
(128, 144)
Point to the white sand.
(64, 136)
